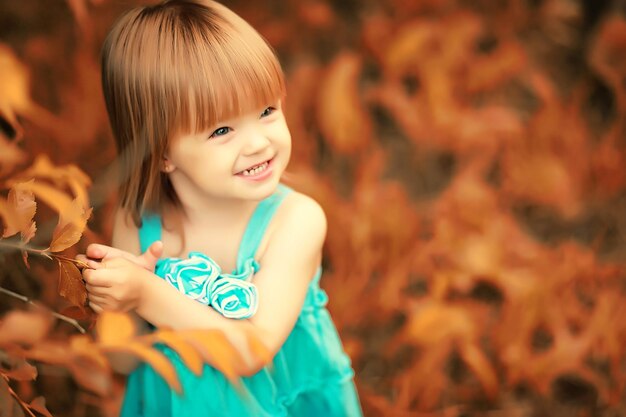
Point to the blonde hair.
(178, 67)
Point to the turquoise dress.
(310, 376)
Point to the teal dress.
(310, 375)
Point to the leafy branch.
(59, 316)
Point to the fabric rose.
(234, 298)
(192, 276)
(201, 279)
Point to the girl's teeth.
(257, 169)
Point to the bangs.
(228, 69)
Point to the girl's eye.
(220, 132)
(268, 111)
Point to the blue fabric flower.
(234, 298)
(201, 279)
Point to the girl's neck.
(215, 213)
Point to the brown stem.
(42, 252)
(53, 313)
(25, 248)
(22, 404)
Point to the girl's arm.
(292, 256)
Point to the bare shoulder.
(302, 214)
(125, 232)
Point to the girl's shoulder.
(125, 234)
(299, 218)
(298, 208)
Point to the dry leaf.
(91, 375)
(53, 197)
(72, 223)
(78, 313)
(39, 405)
(408, 46)
(114, 328)
(25, 328)
(21, 210)
(23, 371)
(476, 360)
(14, 83)
(187, 353)
(10, 154)
(159, 362)
(217, 350)
(68, 175)
(491, 71)
(340, 113)
(71, 285)
(437, 322)
(84, 346)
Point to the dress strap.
(150, 231)
(258, 223)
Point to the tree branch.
(53, 313)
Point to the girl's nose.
(256, 142)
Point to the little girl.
(194, 96)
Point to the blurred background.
(469, 156)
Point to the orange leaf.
(187, 353)
(39, 405)
(493, 70)
(23, 327)
(217, 350)
(21, 210)
(91, 374)
(157, 360)
(53, 197)
(437, 322)
(343, 121)
(114, 328)
(477, 361)
(72, 214)
(14, 83)
(71, 225)
(67, 175)
(83, 345)
(71, 285)
(23, 372)
(78, 313)
(10, 154)
(411, 42)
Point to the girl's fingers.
(95, 290)
(98, 252)
(98, 299)
(149, 258)
(95, 307)
(96, 278)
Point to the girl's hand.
(115, 284)
(100, 253)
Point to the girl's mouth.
(257, 172)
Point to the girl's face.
(238, 159)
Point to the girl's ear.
(167, 166)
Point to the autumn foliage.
(469, 156)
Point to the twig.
(53, 313)
(25, 248)
(42, 252)
(22, 404)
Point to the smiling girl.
(194, 96)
